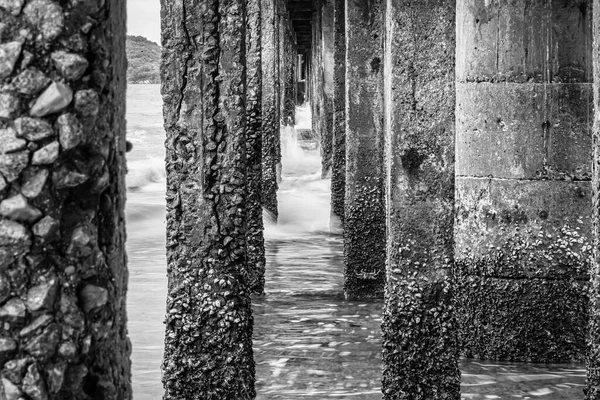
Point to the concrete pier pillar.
(255, 238)
(316, 75)
(523, 194)
(364, 234)
(326, 116)
(592, 389)
(208, 340)
(309, 74)
(338, 153)
(322, 81)
(419, 101)
(63, 267)
(287, 62)
(271, 142)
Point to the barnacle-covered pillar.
(523, 194)
(316, 75)
(419, 100)
(255, 238)
(338, 153)
(63, 274)
(287, 63)
(364, 234)
(208, 341)
(593, 357)
(327, 88)
(271, 144)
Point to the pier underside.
(460, 138)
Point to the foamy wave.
(136, 135)
(145, 172)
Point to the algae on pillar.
(338, 156)
(271, 152)
(593, 356)
(364, 233)
(255, 237)
(63, 274)
(420, 349)
(523, 205)
(208, 341)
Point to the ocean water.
(308, 341)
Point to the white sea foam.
(142, 173)
(303, 197)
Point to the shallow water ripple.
(311, 343)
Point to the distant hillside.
(143, 57)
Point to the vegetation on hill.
(143, 57)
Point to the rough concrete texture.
(592, 389)
(255, 238)
(419, 144)
(63, 275)
(287, 64)
(524, 41)
(522, 268)
(316, 82)
(534, 132)
(338, 156)
(320, 81)
(307, 76)
(523, 144)
(364, 233)
(271, 143)
(208, 341)
(327, 48)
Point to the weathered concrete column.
(296, 66)
(364, 234)
(292, 88)
(316, 84)
(419, 101)
(593, 356)
(338, 154)
(255, 238)
(309, 77)
(281, 22)
(208, 341)
(327, 47)
(287, 55)
(63, 275)
(523, 150)
(271, 143)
